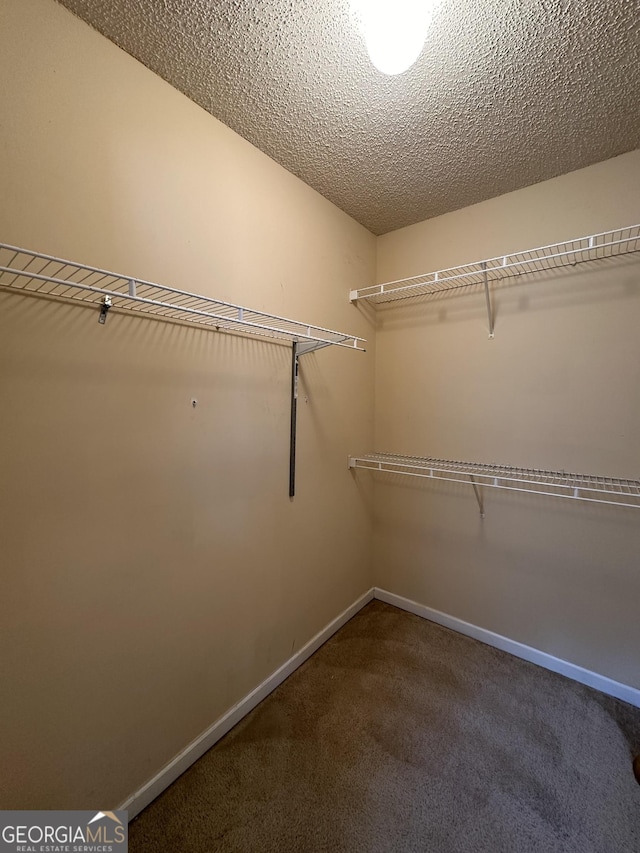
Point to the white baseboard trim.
(191, 753)
(519, 650)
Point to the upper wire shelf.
(592, 248)
(34, 272)
(583, 487)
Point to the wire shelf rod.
(554, 256)
(613, 491)
(70, 280)
(228, 322)
(555, 478)
(144, 283)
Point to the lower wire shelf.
(558, 484)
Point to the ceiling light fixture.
(394, 31)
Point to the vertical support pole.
(295, 364)
(487, 296)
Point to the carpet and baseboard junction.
(390, 732)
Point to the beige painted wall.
(557, 388)
(153, 568)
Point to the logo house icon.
(110, 815)
(107, 829)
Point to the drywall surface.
(154, 570)
(557, 388)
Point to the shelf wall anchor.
(104, 309)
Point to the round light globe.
(394, 31)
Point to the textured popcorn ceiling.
(505, 94)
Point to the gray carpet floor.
(400, 735)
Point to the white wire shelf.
(592, 248)
(559, 484)
(34, 272)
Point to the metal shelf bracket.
(478, 492)
(487, 296)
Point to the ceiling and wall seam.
(505, 94)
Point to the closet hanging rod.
(36, 272)
(595, 247)
(560, 484)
